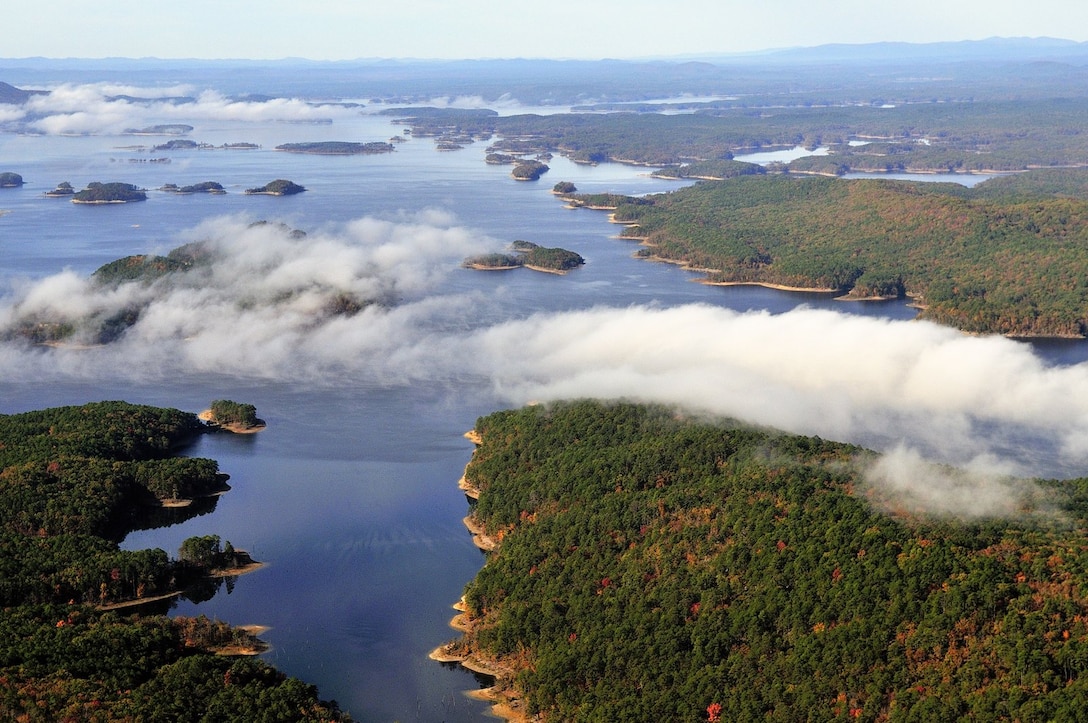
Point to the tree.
(202, 551)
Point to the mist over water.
(260, 311)
(350, 494)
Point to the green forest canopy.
(72, 481)
(279, 187)
(114, 192)
(1011, 258)
(228, 412)
(653, 567)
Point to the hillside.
(1006, 260)
(651, 567)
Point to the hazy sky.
(345, 29)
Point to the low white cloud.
(262, 310)
(109, 108)
(809, 371)
(985, 488)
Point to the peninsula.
(1000, 257)
(652, 567)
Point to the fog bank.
(261, 311)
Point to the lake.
(349, 496)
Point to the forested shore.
(655, 567)
(73, 481)
(1007, 256)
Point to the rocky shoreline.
(507, 704)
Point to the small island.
(231, 416)
(527, 254)
(212, 187)
(99, 193)
(279, 187)
(529, 170)
(337, 148)
(63, 190)
(177, 145)
(10, 180)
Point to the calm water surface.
(349, 496)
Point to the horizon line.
(676, 57)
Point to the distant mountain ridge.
(16, 96)
(1018, 49)
(995, 48)
(993, 68)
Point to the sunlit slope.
(1005, 265)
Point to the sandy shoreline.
(505, 703)
(482, 267)
(139, 601)
(766, 285)
(559, 272)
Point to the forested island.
(73, 481)
(1005, 256)
(231, 416)
(528, 170)
(212, 187)
(531, 256)
(337, 148)
(279, 187)
(647, 566)
(177, 145)
(62, 190)
(110, 320)
(100, 193)
(9, 179)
